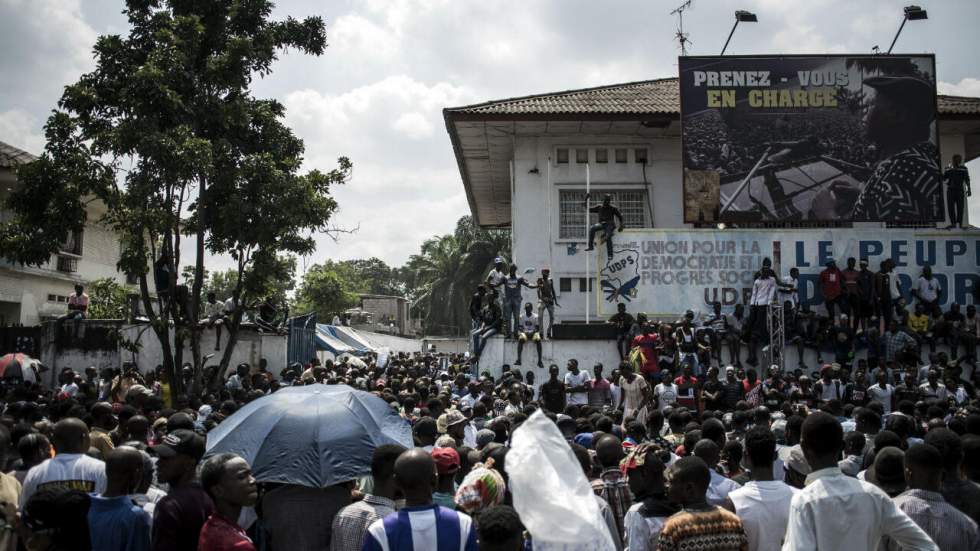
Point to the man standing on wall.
(957, 180)
(547, 300)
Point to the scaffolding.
(775, 352)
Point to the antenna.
(681, 36)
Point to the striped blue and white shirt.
(426, 528)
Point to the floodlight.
(912, 13)
(740, 15)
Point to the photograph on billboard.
(829, 138)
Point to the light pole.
(912, 13)
(740, 15)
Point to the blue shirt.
(118, 524)
(425, 528)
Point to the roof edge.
(559, 93)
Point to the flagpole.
(588, 281)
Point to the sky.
(376, 95)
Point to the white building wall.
(536, 200)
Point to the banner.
(810, 138)
(665, 272)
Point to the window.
(581, 284)
(582, 156)
(73, 244)
(571, 224)
(640, 155)
(621, 156)
(562, 156)
(601, 156)
(564, 285)
(132, 279)
(62, 299)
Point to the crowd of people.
(681, 450)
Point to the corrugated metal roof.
(659, 96)
(11, 156)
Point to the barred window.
(631, 203)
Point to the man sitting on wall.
(214, 316)
(77, 309)
(530, 329)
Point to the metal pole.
(729, 37)
(894, 40)
(588, 295)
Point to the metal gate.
(301, 346)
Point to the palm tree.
(445, 273)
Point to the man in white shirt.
(882, 392)
(665, 393)
(528, 330)
(788, 288)
(763, 291)
(927, 289)
(719, 487)
(835, 511)
(577, 383)
(762, 503)
(70, 468)
(498, 274)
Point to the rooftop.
(483, 134)
(11, 156)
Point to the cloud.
(20, 129)
(965, 87)
(47, 44)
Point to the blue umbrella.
(314, 435)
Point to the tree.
(326, 291)
(166, 134)
(107, 300)
(441, 278)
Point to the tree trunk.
(195, 299)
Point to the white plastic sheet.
(551, 493)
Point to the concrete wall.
(250, 348)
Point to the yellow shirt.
(100, 440)
(10, 489)
(919, 323)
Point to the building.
(31, 294)
(523, 163)
(388, 314)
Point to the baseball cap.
(454, 417)
(181, 442)
(446, 459)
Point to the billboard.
(665, 272)
(826, 138)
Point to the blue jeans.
(607, 229)
(480, 337)
(512, 313)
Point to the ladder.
(776, 324)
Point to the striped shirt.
(425, 528)
(945, 524)
(715, 529)
(351, 523)
(612, 487)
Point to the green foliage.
(445, 273)
(166, 125)
(107, 300)
(326, 289)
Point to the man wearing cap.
(497, 274)
(456, 424)
(447, 464)
(905, 184)
(178, 517)
(957, 180)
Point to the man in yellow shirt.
(920, 326)
(102, 422)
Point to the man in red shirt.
(647, 341)
(852, 296)
(832, 289)
(228, 479)
(687, 388)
